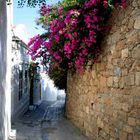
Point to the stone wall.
(105, 102)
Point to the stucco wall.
(20, 64)
(5, 92)
(105, 102)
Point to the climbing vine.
(74, 30)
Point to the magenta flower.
(73, 36)
(67, 48)
(56, 56)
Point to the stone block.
(138, 122)
(135, 4)
(124, 72)
(136, 52)
(131, 121)
(132, 37)
(120, 45)
(117, 71)
(106, 129)
(130, 136)
(110, 82)
(125, 53)
(123, 135)
(100, 123)
(128, 63)
(100, 66)
(137, 23)
(122, 116)
(122, 83)
(109, 111)
(93, 73)
(103, 82)
(134, 113)
(115, 37)
(139, 3)
(116, 79)
(109, 40)
(123, 28)
(130, 80)
(86, 125)
(136, 138)
(117, 105)
(116, 82)
(87, 110)
(112, 49)
(112, 138)
(125, 107)
(108, 102)
(104, 135)
(137, 78)
(131, 23)
(114, 132)
(137, 130)
(128, 129)
(137, 102)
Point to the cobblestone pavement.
(46, 123)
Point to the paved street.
(46, 122)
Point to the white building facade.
(19, 79)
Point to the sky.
(27, 16)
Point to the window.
(26, 81)
(20, 83)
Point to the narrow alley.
(46, 122)
(70, 70)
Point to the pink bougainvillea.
(74, 34)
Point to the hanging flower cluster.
(73, 34)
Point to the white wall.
(19, 57)
(48, 90)
(5, 69)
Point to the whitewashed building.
(20, 78)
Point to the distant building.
(20, 78)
